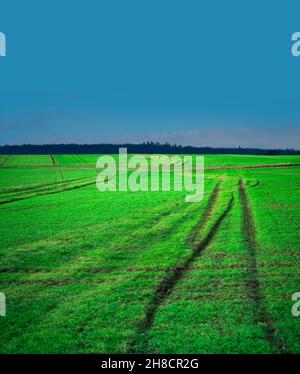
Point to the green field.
(85, 271)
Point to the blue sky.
(191, 72)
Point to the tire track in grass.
(207, 214)
(220, 168)
(54, 165)
(37, 188)
(65, 189)
(79, 158)
(48, 193)
(60, 172)
(53, 160)
(63, 179)
(5, 160)
(168, 283)
(56, 180)
(256, 183)
(253, 284)
(268, 166)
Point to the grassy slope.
(80, 269)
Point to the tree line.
(147, 147)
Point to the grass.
(120, 272)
